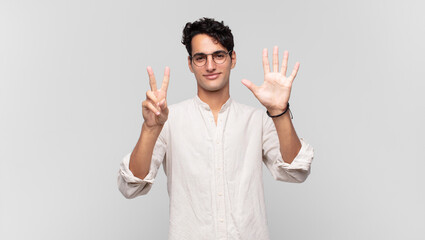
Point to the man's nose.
(210, 63)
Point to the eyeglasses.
(219, 57)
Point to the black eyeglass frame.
(212, 55)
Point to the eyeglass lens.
(218, 57)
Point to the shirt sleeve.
(131, 186)
(298, 170)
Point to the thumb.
(249, 85)
(163, 104)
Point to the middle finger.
(275, 59)
(152, 81)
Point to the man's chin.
(211, 88)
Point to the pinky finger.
(294, 71)
(151, 107)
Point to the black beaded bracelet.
(287, 108)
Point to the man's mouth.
(212, 76)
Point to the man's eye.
(199, 58)
(220, 55)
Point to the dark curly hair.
(212, 28)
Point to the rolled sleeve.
(131, 186)
(298, 170)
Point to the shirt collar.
(205, 106)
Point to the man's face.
(212, 76)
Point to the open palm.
(275, 91)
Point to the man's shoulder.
(182, 104)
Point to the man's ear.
(189, 62)
(233, 59)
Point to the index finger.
(266, 65)
(164, 86)
(152, 81)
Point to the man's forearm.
(140, 159)
(289, 142)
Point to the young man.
(212, 147)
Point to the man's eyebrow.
(201, 53)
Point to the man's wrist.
(277, 111)
(151, 129)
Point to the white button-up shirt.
(214, 172)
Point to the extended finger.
(251, 86)
(152, 81)
(284, 63)
(275, 59)
(151, 96)
(151, 107)
(266, 65)
(164, 86)
(294, 71)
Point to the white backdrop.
(73, 75)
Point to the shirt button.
(218, 141)
(221, 220)
(220, 194)
(219, 168)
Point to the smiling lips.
(211, 76)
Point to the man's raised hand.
(154, 108)
(275, 91)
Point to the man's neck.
(214, 99)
